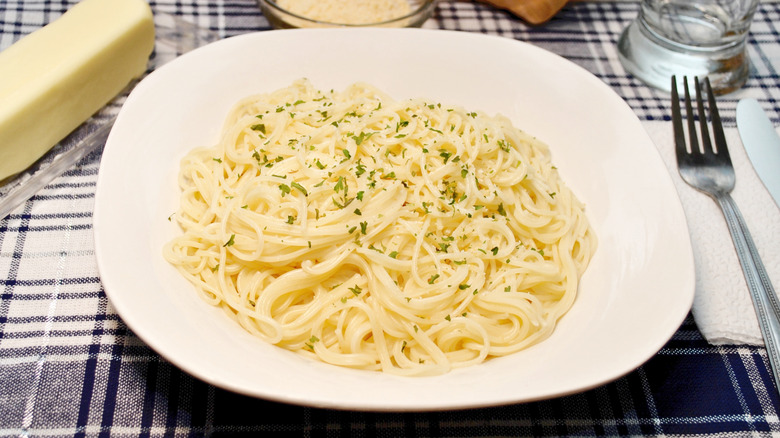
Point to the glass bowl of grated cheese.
(286, 14)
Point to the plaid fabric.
(70, 367)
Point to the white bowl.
(635, 294)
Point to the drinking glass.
(689, 38)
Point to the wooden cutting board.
(532, 11)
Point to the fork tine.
(692, 137)
(705, 131)
(679, 135)
(717, 125)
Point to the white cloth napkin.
(722, 307)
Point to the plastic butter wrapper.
(55, 78)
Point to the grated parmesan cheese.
(347, 11)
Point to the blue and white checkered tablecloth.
(69, 366)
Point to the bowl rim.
(425, 7)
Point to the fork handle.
(763, 294)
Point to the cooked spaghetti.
(403, 236)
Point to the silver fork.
(709, 170)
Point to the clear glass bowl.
(281, 18)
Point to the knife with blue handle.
(761, 143)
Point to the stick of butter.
(55, 78)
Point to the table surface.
(70, 366)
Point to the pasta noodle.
(403, 236)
